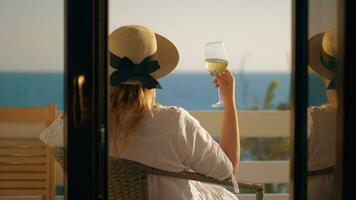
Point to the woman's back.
(171, 139)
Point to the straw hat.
(323, 51)
(138, 54)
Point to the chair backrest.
(127, 181)
(26, 163)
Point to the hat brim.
(314, 57)
(167, 56)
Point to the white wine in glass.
(216, 65)
(216, 61)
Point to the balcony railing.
(256, 124)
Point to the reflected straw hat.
(323, 51)
(140, 56)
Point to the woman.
(323, 50)
(166, 137)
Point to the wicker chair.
(128, 179)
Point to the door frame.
(345, 171)
(86, 32)
(298, 178)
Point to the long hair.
(127, 107)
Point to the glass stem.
(219, 95)
(216, 73)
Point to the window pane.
(321, 124)
(31, 100)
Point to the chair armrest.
(250, 186)
(256, 187)
(203, 178)
(135, 166)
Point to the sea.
(192, 91)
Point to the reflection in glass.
(323, 50)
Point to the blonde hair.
(127, 107)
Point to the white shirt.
(321, 151)
(321, 137)
(171, 139)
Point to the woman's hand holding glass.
(225, 81)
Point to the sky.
(256, 33)
(31, 35)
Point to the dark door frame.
(298, 178)
(86, 99)
(346, 151)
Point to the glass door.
(323, 67)
(32, 98)
(323, 133)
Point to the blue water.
(193, 91)
(31, 89)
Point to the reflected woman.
(323, 51)
(165, 137)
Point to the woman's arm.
(198, 150)
(230, 135)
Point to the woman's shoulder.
(321, 117)
(321, 110)
(170, 110)
(174, 113)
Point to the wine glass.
(216, 61)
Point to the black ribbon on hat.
(329, 62)
(127, 70)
